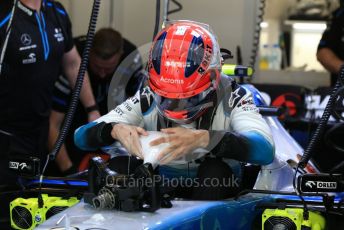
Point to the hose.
(157, 18)
(78, 83)
(179, 7)
(323, 122)
(165, 11)
(256, 34)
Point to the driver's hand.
(181, 142)
(129, 136)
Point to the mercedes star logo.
(26, 39)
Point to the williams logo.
(59, 35)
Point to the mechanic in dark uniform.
(110, 53)
(39, 43)
(331, 46)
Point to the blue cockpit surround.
(80, 137)
(257, 98)
(261, 151)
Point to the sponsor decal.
(316, 105)
(119, 111)
(250, 108)
(31, 59)
(148, 94)
(172, 81)
(58, 35)
(134, 100)
(321, 184)
(233, 98)
(13, 165)
(194, 33)
(181, 30)
(177, 64)
(17, 165)
(127, 106)
(246, 102)
(247, 105)
(26, 39)
(310, 184)
(34, 46)
(206, 60)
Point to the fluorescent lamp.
(309, 26)
(264, 25)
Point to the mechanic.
(190, 101)
(108, 51)
(39, 43)
(330, 51)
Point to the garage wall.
(232, 20)
(80, 11)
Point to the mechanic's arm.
(330, 42)
(71, 63)
(123, 124)
(329, 60)
(55, 122)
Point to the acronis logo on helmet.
(172, 81)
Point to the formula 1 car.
(272, 202)
(273, 195)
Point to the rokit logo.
(31, 59)
(321, 185)
(59, 35)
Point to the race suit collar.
(25, 8)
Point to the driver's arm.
(97, 134)
(250, 138)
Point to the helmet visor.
(185, 110)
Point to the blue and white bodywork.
(186, 214)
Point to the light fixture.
(264, 25)
(309, 26)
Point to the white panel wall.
(232, 20)
(80, 12)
